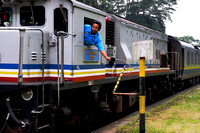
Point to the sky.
(185, 20)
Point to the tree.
(189, 39)
(150, 13)
(93, 3)
(112, 6)
(106, 5)
(119, 7)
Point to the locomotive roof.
(140, 26)
(87, 7)
(184, 44)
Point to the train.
(51, 82)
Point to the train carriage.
(184, 58)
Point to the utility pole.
(142, 93)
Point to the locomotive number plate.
(91, 56)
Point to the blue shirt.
(92, 39)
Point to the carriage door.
(32, 43)
(34, 56)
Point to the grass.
(179, 115)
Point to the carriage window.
(198, 59)
(32, 16)
(188, 58)
(5, 16)
(196, 56)
(192, 59)
(60, 20)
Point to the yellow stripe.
(9, 73)
(31, 73)
(119, 70)
(142, 68)
(142, 104)
(88, 72)
(65, 73)
(186, 68)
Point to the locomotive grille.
(111, 51)
(110, 33)
(43, 56)
(33, 55)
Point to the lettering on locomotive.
(91, 55)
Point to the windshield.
(5, 16)
(32, 15)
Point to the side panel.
(32, 56)
(84, 69)
(128, 32)
(9, 55)
(143, 49)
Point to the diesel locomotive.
(51, 82)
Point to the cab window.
(60, 20)
(5, 16)
(32, 15)
(88, 21)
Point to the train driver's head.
(96, 26)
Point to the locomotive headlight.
(27, 94)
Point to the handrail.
(62, 34)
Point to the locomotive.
(51, 82)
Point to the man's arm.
(105, 55)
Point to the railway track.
(112, 127)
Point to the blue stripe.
(133, 65)
(9, 66)
(69, 67)
(76, 67)
(50, 66)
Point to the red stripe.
(87, 78)
(8, 79)
(11, 79)
(35, 79)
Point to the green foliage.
(106, 5)
(189, 39)
(92, 3)
(150, 13)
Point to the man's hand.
(105, 55)
(108, 58)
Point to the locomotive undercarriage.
(81, 109)
(95, 108)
